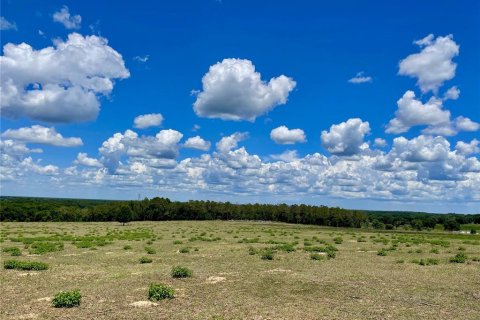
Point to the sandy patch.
(108, 252)
(143, 304)
(48, 299)
(278, 270)
(214, 279)
(71, 255)
(28, 316)
(25, 274)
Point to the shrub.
(25, 265)
(150, 250)
(435, 250)
(67, 299)
(145, 260)
(288, 247)
(382, 252)
(267, 254)
(184, 250)
(14, 251)
(428, 262)
(459, 258)
(45, 247)
(317, 256)
(158, 292)
(338, 240)
(177, 242)
(127, 247)
(181, 272)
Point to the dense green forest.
(159, 209)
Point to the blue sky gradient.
(320, 45)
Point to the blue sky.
(149, 58)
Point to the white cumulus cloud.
(283, 135)
(233, 90)
(197, 143)
(148, 120)
(64, 17)
(433, 65)
(85, 160)
(41, 135)
(346, 138)
(61, 83)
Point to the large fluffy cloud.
(148, 120)
(233, 90)
(412, 112)
(164, 145)
(433, 65)
(41, 135)
(283, 135)
(61, 83)
(346, 138)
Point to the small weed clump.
(158, 292)
(14, 251)
(143, 260)
(25, 265)
(459, 258)
(150, 250)
(287, 247)
(426, 262)
(184, 250)
(382, 252)
(317, 256)
(435, 250)
(338, 240)
(177, 242)
(45, 247)
(67, 299)
(127, 247)
(181, 272)
(267, 254)
(252, 251)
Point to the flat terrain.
(230, 278)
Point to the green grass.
(230, 280)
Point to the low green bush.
(158, 292)
(25, 265)
(184, 250)
(181, 272)
(382, 252)
(338, 240)
(45, 247)
(150, 250)
(145, 260)
(67, 299)
(127, 247)
(177, 242)
(267, 254)
(459, 258)
(317, 256)
(14, 251)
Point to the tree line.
(161, 209)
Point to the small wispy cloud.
(142, 59)
(7, 25)
(360, 78)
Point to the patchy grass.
(357, 284)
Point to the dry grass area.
(231, 280)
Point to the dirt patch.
(214, 279)
(25, 274)
(47, 299)
(278, 270)
(28, 316)
(143, 304)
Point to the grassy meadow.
(240, 270)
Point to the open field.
(372, 275)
